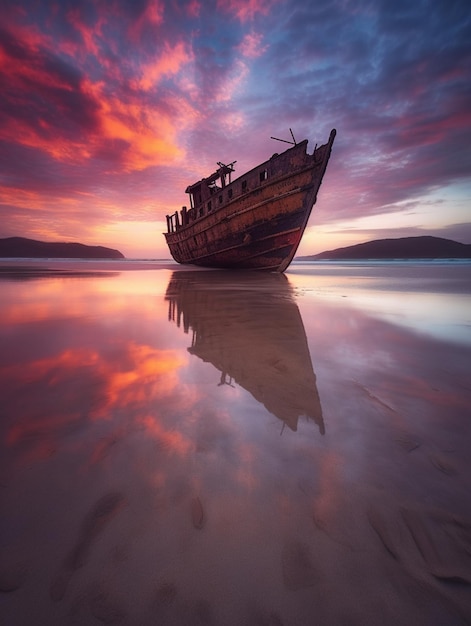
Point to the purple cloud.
(134, 100)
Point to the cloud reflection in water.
(138, 489)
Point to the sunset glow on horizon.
(110, 110)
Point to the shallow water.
(185, 447)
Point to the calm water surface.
(203, 447)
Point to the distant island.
(19, 247)
(425, 247)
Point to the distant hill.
(15, 247)
(403, 248)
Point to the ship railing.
(173, 222)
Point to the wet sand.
(197, 447)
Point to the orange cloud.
(61, 149)
(80, 117)
(149, 135)
(59, 90)
(169, 63)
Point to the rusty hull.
(257, 221)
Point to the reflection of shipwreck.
(249, 327)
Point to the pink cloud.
(193, 8)
(171, 60)
(152, 16)
(251, 47)
(246, 10)
(79, 116)
(88, 35)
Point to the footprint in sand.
(442, 465)
(197, 513)
(93, 524)
(409, 444)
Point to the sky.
(110, 109)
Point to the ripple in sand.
(384, 531)
(445, 560)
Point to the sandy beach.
(207, 447)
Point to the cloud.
(246, 10)
(151, 16)
(169, 63)
(251, 45)
(132, 100)
(42, 93)
(67, 112)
